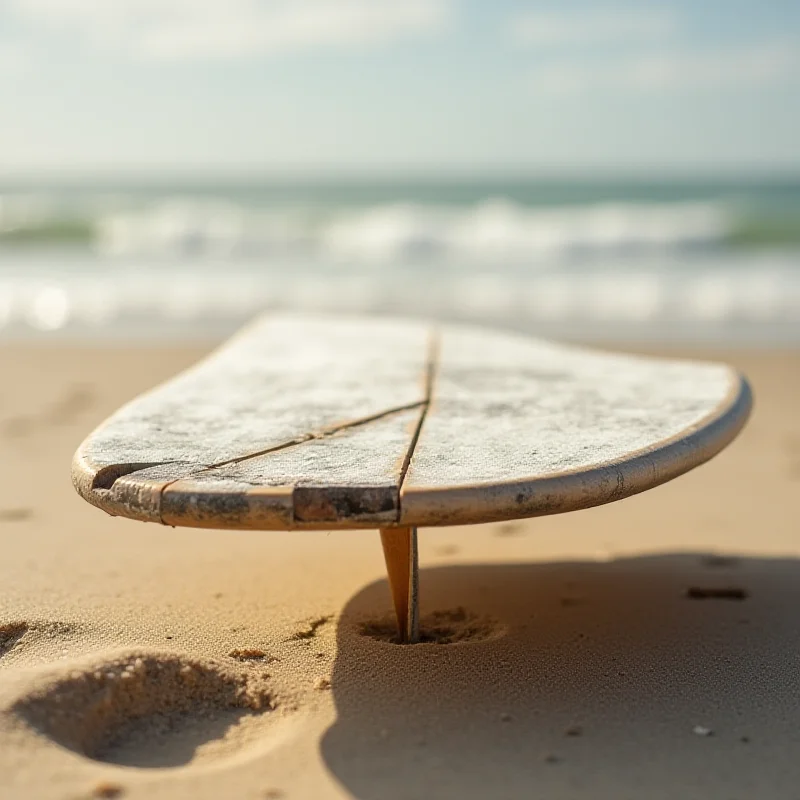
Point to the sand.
(644, 649)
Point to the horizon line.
(155, 174)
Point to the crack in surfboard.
(323, 433)
(430, 377)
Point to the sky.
(412, 87)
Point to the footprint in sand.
(36, 640)
(151, 710)
(15, 514)
(17, 427)
(10, 634)
(78, 399)
(66, 410)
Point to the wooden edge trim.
(192, 504)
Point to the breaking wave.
(490, 231)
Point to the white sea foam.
(702, 297)
(491, 231)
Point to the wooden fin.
(402, 564)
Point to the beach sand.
(138, 661)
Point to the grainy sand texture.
(646, 649)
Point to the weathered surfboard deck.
(324, 422)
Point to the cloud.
(592, 26)
(207, 29)
(754, 65)
(647, 54)
(13, 56)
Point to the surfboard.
(318, 422)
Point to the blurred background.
(625, 171)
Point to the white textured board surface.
(519, 427)
(304, 422)
(278, 380)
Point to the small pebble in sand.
(256, 703)
(716, 593)
(273, 794)
(249, 654)
(701, 730)
(322, 684)
(718, 562)
(106, 789)
(311, 630)
(745, 740)
(550, 758)
(574, 730)
(505, 717)
(508, 529)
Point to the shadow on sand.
(599, 680)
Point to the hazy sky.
(399, 84)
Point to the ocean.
(670, 261)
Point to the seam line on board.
(307, 437)
(320, 434)
(430, 377)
